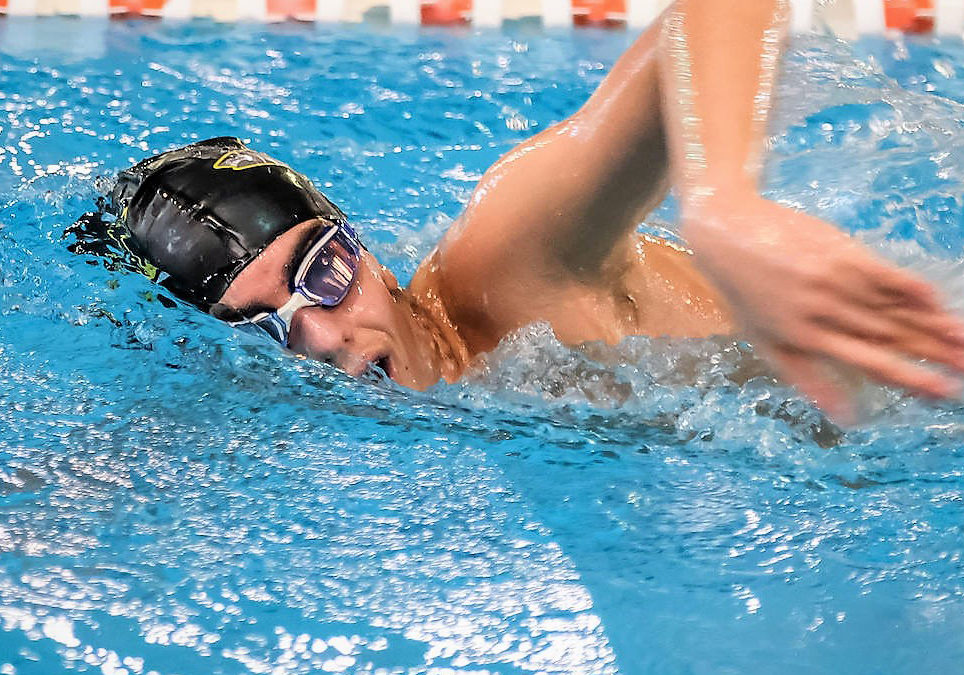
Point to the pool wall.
(846, 17)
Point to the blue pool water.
(176, 498)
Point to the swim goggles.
(323, 279)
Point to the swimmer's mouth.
(384, 364)
(377, 367)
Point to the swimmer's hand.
(813, 301)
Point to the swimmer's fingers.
(942, 323)
(878, 284)
(903, 288)
(933, 335)
(886, 365)
(922, 334)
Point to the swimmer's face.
(372, 326)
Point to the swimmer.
(549, 235)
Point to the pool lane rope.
(863, 16)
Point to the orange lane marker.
(598, 12)
(910, 16)
(123, 8)
(302, 10)
(3, 6)
(446, 11)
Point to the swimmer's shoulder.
(476, 285)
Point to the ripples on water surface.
(177, 498)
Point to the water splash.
(177, 497)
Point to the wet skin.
(550, 235)
(535, 243)
(408, 333)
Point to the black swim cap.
(201, 213)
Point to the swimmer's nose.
(320, 334)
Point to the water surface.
(178, 498)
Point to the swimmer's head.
(251, 241)
(200, 214)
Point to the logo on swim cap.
(239, 160)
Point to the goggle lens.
(330, 273)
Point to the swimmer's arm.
(719, 63)
(811, 299)
(565, 201)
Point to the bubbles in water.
(178, 497)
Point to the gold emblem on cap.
(239, 160)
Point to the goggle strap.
(287, 311)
